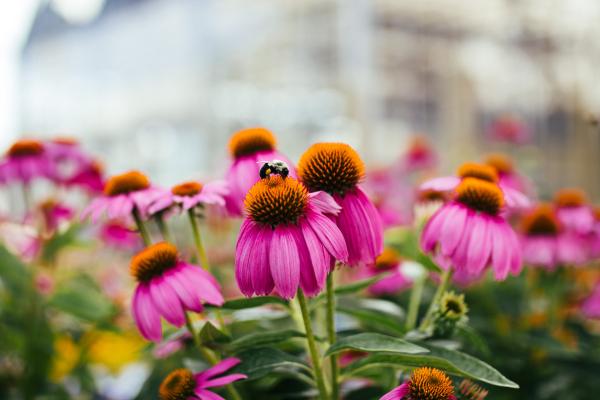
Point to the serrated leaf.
(243, 303)
(262, 339)
(375, 342)
(211, 336)
(451, 361)
(257, 363)
(82, 298)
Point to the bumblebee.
(276, 167)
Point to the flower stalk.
(331, 335)
(445, 279)
(142, 229)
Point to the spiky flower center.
(479, 171)
(480, 195)
(502, 163)
(178, 385)
(332, 167)
(187, 189)
(570, 198)
(388, 259)
(153, 261)
(250, 141)
(128, 182)
(25, 148)
(430, 384)
(276, 200)
(541, 221)
(453, 305)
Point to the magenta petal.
(514, 198)
(479, 246)
(441, 184)
(218, 369)
(206, 395)
(398, 393)
(308, 280)
(501, 252)
(284, 262)
(146, 317)
(431, 232)
(452, 229)
(166, 301)
(323, 202)
(224, 380)
(516, 262)
(319, 256)
(329, 235)
(248, 240)
(185, 290)
(205, 285)
(459, 258)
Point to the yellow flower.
(66, 356)
(113, 350)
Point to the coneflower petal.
(146, 317)
(480, 248)
(180, 285)
(451, 230)
(308, 279)
(206, 288)
(441, 184)
(501, 253)
(329, 234)
(166, 301)
(284, 262)
(323, 202)
(319, 256)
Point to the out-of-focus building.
(160, 84)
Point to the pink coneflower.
(286, 241)
(424, 383)
(469, 233)
(591, 306)
(395, 281)
(184, 384)
(189, 195)
(67, 156)
(427, 203)
(89, 177)
(510, 129)
(26, 160)
(512, 197)
(573, 211)
(545, 244)
(392, 194)
(337, 169)
(419, 156)
(123, 194)
(168, 287)
(250, 149)
(120, 235)
(22, 240)
(507, 175)
(55, 214)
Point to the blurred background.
(160, 85)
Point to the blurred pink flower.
(26, 160)
(514, 199)
(591, 306)
(22, 240)
(168, 287)
(394, 282)
(55, 214)
(189, 195)
(507, 174)
(419, 156)
(286, 241)
(122, 195)
(573, 211)
(172, 345)
(89, 177)
(120, 235)
(469, 233)
(510, 129)
(392, 194)
(183, 384)
(250, 149)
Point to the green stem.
(163, 227)
(331, 336)
(198, 240)
(26, 189)
(204, 261)
(414, 303)
(208, 355)
(312, 346)
(142, 229)
(435, 300)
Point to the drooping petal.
(219, 368)
(186, 292)
(329, 235)
(224, 380)
(284, 262)
(479, 246)
(206, 395)
(319, 256)
(323, 202)
(398, 393)
(451, 229)
(205, 285)
(501, 252)
(308, 279)
(166, 301)
(119, 206)
(248, 240)
(146, 317)
(431, 232)
(514, 198)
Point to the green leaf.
(211, 336)
(82, 298)
(375, 342)
(243, 303)
(14, 273)
(261, 339)
(257, 363)
(59, 241)
(379, 315)
(359, 285)
(451, 361)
